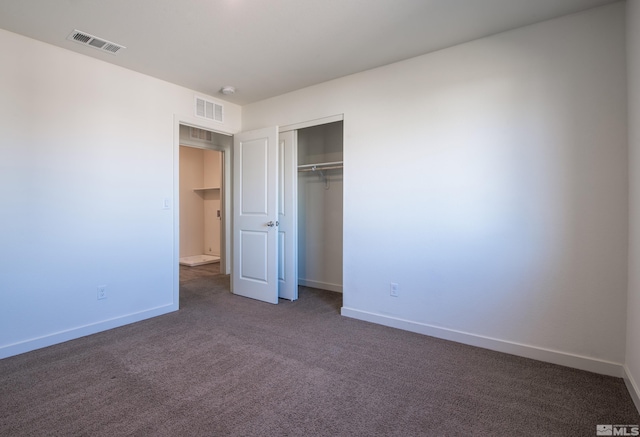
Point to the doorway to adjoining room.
(201, 182)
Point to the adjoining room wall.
(212, 206)
(501, 166)
(87, 165)
(199, 223)
(191, 203)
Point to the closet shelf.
(320, 166)
(206, 188)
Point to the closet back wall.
(320, 209)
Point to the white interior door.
(288, 216)
(255, 214)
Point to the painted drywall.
(212, 178)
(320, 208)
(489, 180)
(87, 161)
(191, 202)
(199, 222)
(633, 306)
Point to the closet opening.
(202, 198)
(320, 206)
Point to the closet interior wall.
(320, 207)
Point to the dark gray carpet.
(228, 366)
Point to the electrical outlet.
(102, 292)
(394, 289)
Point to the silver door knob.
(271, 224)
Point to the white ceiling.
(269, 47)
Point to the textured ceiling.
(269, 47)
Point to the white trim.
(523, 350)
(176, 210)
(634, 391)
(201, 123)
(82, 331)
(320, 285)
(312, 123)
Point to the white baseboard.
(547, 355)
(81, 331)
(320, 285)
(634, 391)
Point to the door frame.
(312, 123)
(295, 127)
(225, 233)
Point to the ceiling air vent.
(93, 41)
(208, 109)
(201, 134)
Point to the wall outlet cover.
(394, 289)
(102, 292)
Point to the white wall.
(502, 168)
(87, 158)
(633, 306)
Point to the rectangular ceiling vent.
(208, 109)
(93, 41)
(201, 134)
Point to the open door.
(255, 214)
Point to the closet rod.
(319, 169)
(320, 166)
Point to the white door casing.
(255, 214)
(288, 216)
